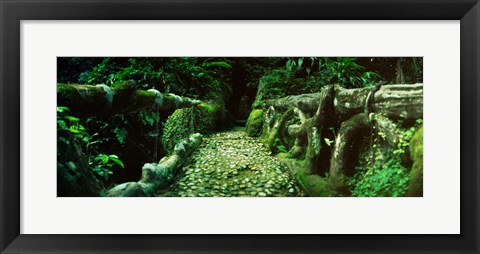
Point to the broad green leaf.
(218, 64)
(72, 118)
(328, 141)
(62, 109)
(73, 130)
(118, 161)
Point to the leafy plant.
(346, 72)
(385, 178)
(103, 165)
(341, 70)
(384, 175)
(121, 134)
(148, 118)
(70, 123)
(217, 64)
(405, 137)
(327, 140)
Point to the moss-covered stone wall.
(198, 119)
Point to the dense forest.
(239, 126)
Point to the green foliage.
(417, 69)
(100, 163)
(70, 123)
(281, 148)
(148, 118)
(275, 84)
(296, 64)
(328, 141)
(103, 73)
(121, 134)
(405, 137)
(346, 72)
(112, 126)
(103, 165)
(217, 64)
(341, 70)
(310, 74)
(70, 68)
(384, 175)
(385, 178)
(188, 76)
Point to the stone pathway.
(231, 164)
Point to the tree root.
(156, 176)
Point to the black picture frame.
(13, 11)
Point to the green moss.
(143, 93)
(177, 127)
(313, 185)
(183, 122)
(416, 144)
(208, 107)
(208, 117)
(283, 156)
(416, 173)
(255, 123)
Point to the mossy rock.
(177, 127)
(416, 173)
(208, 117)
(313, 185)
(255, 123)
(183, 122)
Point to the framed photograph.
(239, 126)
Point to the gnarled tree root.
(101, 99)
(156, 176)
(314, 127)
(395, 101)
(345, 152)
